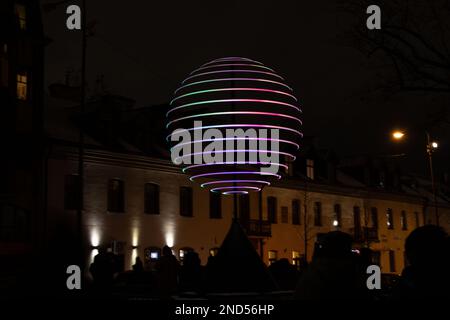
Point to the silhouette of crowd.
(335, 272)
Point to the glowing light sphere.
(221, 105)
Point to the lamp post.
(430, 147)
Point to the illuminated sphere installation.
(225, 95)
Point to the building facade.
(135, 204)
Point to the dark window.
(404, 221)
(71, 192)
(390, 218)
(284, 214)
(296, 212)
(14, 224)
(357, 218)
(391, 260)
(417, 219)
(374, 217)
(151, 198)
(186, 206)
(317, 214)
(116, 190)
(272, 209)
(21, 14)
(215, 205)
(338, 214)
(244, 207)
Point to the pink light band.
(235, 162)
(234, 173)
(233, 89)
(232, 71)
(233, 100)
(236, 188)
(235, 181)
(269, 114)
(236, 192)
(235, 139)
(232, 79)
(177, 159)
(267, 126)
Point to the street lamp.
(430, 147)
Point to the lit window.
(310, 169)
(390, 218)
(213, 252)
(337, 215)
(296, 258)
(21, 14)
(273, 254)
(22, 86)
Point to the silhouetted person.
(167, 269)
(427, 277)
(191, 273)
(334, 272)
(138, 266)
(284, 274)
(103, 269)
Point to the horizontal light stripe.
(210, 114)
(266, 126)
(235, 188)
(232, 64)
(234, 173)
(177, 159)
(234, 181)
(233, 89)
(232, 71)
(233, 100)
(238, 139)
(235, 163)
(232, 79)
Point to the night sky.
(145, 49)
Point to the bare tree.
(411, 51)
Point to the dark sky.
(145, 48)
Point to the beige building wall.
(139, 230)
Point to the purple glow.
(232, 71)
(177, 159)
(232, 79)
(233, 173)
(236, 188)
(242, 126)
(233, 89)
(269, 114)
(234, 181)
(236, 138)
(235, 162)
(234, 100)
